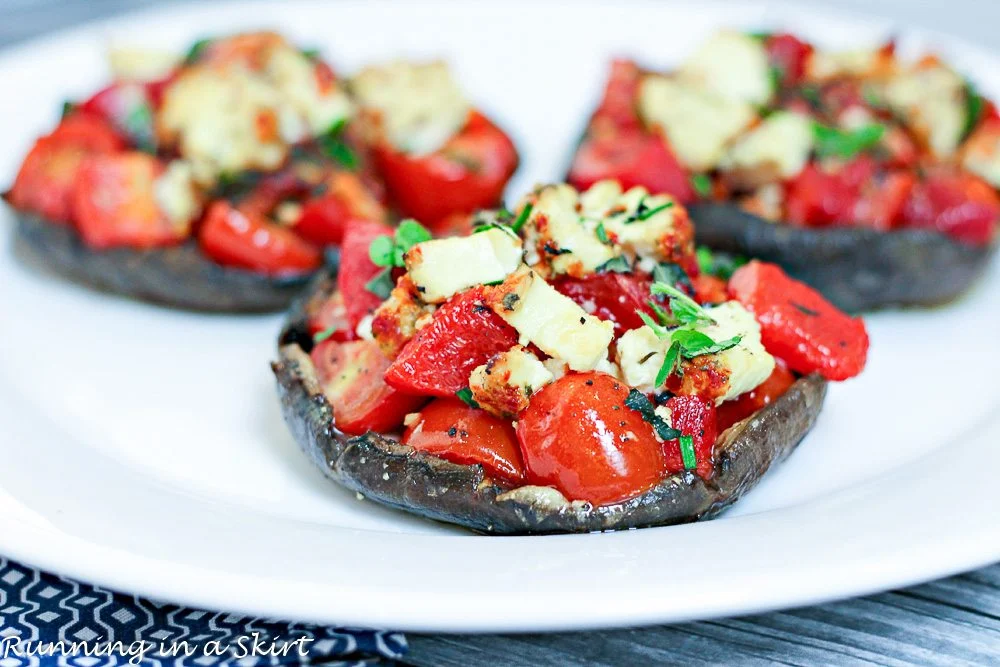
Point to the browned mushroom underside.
(398, 476)
(179, 276)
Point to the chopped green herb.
(846, 144)
(381, 285)
(636, 400)
(661, 314)
(522, 218)
(602, 234)
(465, 395)
(811, 94)
(720, 265)
(381, 251)
(323, 335)
(650, 212)
(408, 234)
(687, 452)
(683, 307)
(68, 107)
(974, 105)
(670, 364)
(494, 225)
(196, 51)
(139, 126)
(332, 144)
(694, 343)
(776, 75)
(672, 274)
(761, 36)
(617, 264)
(311, 53)
(702, 184)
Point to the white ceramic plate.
(143, 449)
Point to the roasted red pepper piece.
(709, 289)
(357, 269)
(631, 157)
(325, 218)
(469, 172)
(955, 203)
(331, 316)
(800, 326)
(695, 417)
(764, 394)
(788, 54)
(115, 205)
(44, 184)
(351, 376)
(578, 436)
(456, 432)
(464, 333)
(614, 296)
(618, 106)
(236, 238)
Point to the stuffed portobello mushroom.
(566, 367)
(219, 181)
(872, 179)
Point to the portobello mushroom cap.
(180, 276)
(398, 476)
(856, 268)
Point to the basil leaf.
(702, 184)
(846, 144)
(974, 105)
(617, 264)
(321, 336)
(381, 285)
(695, 343)
(381, 251)
(670, 361)
(688, 455)
(196, 51)
(465, 395)
(683, 307)
(602, 234)
(408, 234)
(661, 331)
(650, 212)
(636, 400)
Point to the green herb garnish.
(138, 125)
(720, 265)
(196, 51)
(465, 395)
(68, 107)
(602, 234)
(617, 264)
(678, 328)
(638, 401)
(522, 218)
(333, 146)
(687, 452)
(702, 184)
(381, 285)
(311, 53)
(321, 336)
(672, 274)
(845, 144)
(974, 105)
(390, 251)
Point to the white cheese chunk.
(321, 104)
(932, 101)
(775, 150)
(981, 154)
(698, 124)
(564, 238)
(653, 235)
(731, 65)
(141, 65)
(825, 65)
(554, 322)
(443, 267)
(176, 195)
(641, 354)
(504, 384)
(420, 106)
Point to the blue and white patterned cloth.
(97, 627)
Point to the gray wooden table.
(954, 621)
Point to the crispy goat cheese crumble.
(826, 65)
(562, 235)
(776, 150)
(731, 65)
(399, 317)
(443, 267)
(932, 100)
(720, 377)
(226, 118)
(419, 106)
(699, 124)
(176, 194)
(554, 322)
(504, 384)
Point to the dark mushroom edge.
(857, 269)
(396, 475)
(179, 276)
